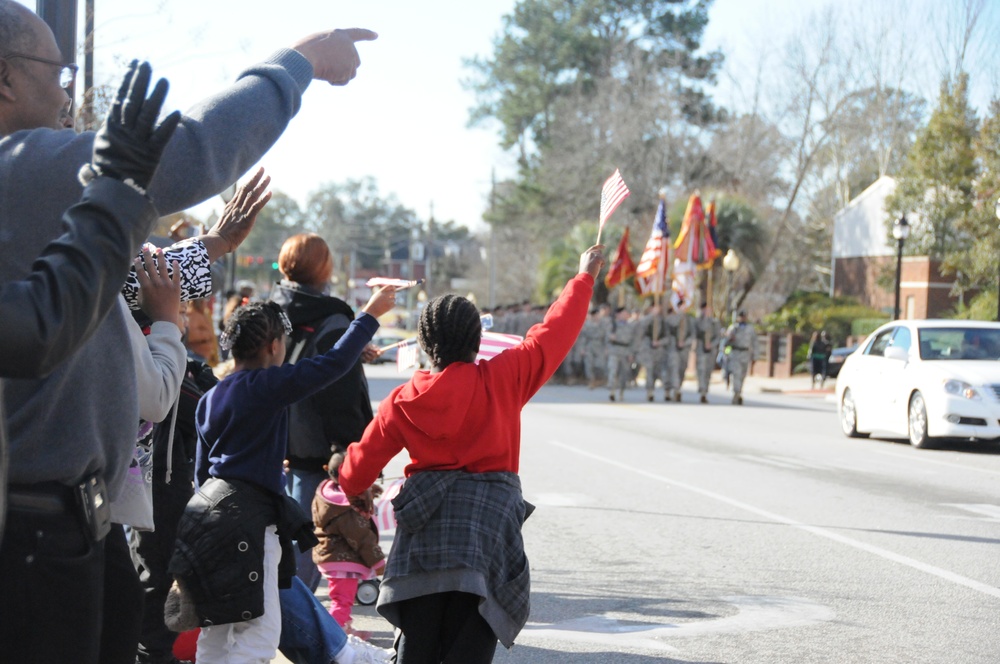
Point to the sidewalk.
(797, 385)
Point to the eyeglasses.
(67, 72)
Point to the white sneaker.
(366, 653)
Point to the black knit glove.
(129, 144)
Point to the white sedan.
(924, 379)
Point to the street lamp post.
(900, 231)
(997, 211)
(730, 263)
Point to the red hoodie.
(468, 417)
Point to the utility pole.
(60, 15)
(429, 256)
(493, 242)
(87, 105)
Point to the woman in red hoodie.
(457, 577)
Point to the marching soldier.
(676, 324)
(652, 353)
(621, 344)
(592, 337)
(706, 338)
(741, 338)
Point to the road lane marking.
(939, 572)
(991, 512)
(754, 613)
(914, 457)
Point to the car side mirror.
(897, 353)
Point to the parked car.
(837, 358)
(925, 380)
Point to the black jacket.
(219, 551)
(337, 415)
(198, 379)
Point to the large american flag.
(651, 273)
(612, 195)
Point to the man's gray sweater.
(82, 418)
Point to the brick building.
(862, 253)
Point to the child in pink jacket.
(348, 548)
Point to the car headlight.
(961, 389)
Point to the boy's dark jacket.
(198, 379)
(337, 415)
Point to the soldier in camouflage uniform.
(741, 338)
(652, 354)
(705, 331)
(592, 337)
(621, 344)
(685, 343)
(676, 331)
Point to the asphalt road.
(685, 532)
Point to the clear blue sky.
(403, 120)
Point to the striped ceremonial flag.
(612, 195)
(494, 343)
(651, 273)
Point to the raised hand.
(381, 302)
(239, 216)
(592, 260)
(129, 144)
(159, 285)
(333, 55)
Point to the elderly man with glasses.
(79, 422)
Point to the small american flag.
(385, 518)
(400, 284)
(612, 195)
(494, 343)
(406, 354)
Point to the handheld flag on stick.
(400, 284)
(651, 273)
(385, 517)
(612, 195)
(494, 343)
(622, 266)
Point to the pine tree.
(935, 188)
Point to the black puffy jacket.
(219, 552)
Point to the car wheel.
(918, 421)
(849, 416)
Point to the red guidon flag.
(612, 195)
(622, 266)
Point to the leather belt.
(44, 498)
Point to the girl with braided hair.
(226, 558)
(457, 578)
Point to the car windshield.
(959, 343)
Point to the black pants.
(151, 553)
(444, 628)
(122, 619)
(51, 590)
